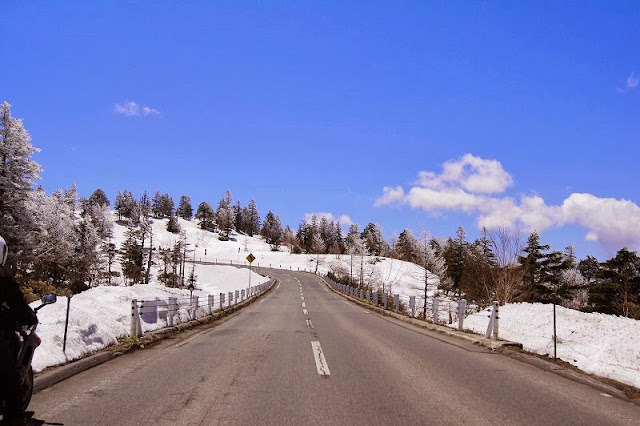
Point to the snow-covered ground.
(600, 344)
(596, 343)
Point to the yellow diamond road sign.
(251, 258)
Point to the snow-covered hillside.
(599, 344)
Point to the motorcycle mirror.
(48, 299)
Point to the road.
(303, 355)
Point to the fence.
(175, 310)
(432, 309)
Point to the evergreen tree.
(237, 217)
(407, 247)
(372, 236)
(205, 216)
(156, 204)
(251, 218)
(132, 257)
(532, 264)
(185, 211)
(99, 198)
(17, 172)
(618, 290)
(272, 231)
(224, 217)
(172, 225)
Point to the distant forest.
(63, 243)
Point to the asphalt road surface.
(302, 356)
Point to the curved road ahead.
(303, 355)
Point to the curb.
(500, 346)
(63, 372)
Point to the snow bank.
(600, 344)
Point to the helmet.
(4, 251)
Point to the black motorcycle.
(27, 341)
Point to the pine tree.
(172, 225)
(205, 216)
(185, 211)
(251, 218)
(17, 172)
(618, 290)
(132, 257)
(407, 247)
(532, 264)
(99, 198)
(224, 217)
(272, 231)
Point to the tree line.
(62, 242)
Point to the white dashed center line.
(321, 363)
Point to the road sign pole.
(250, 258)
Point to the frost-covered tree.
(206, 217)
(56, 238)
(185, 210)
(224, 217)
(126, 205)
(17, 173)
(372, 237)
(407, 247)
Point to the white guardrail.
(434, 309)
(175, 310)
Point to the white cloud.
(132, 109)
(474, 174)
(344, 220)
(632, 82)
(390, 196)
(611, 222)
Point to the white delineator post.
(462, 310)
(172, 307)
(134, 318)
(436, 310)
(412, 305)
(493, 327)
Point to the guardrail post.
(221, 300)
(368, 296)
(133, 331)
(237, 296)
(375, 298)
(230, 298)
(462, 309)
(171, 310)
(436, 310)
(496, 307)
(385, 301)
(396, 301)
(194, 307)
(242, 295)
(361, 294)
(492, 328)
(210, 304)
(412, 305)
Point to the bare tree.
(507, 244)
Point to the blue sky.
(524, 113)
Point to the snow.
(596, 343)
(600, 344)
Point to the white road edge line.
(321, 363)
